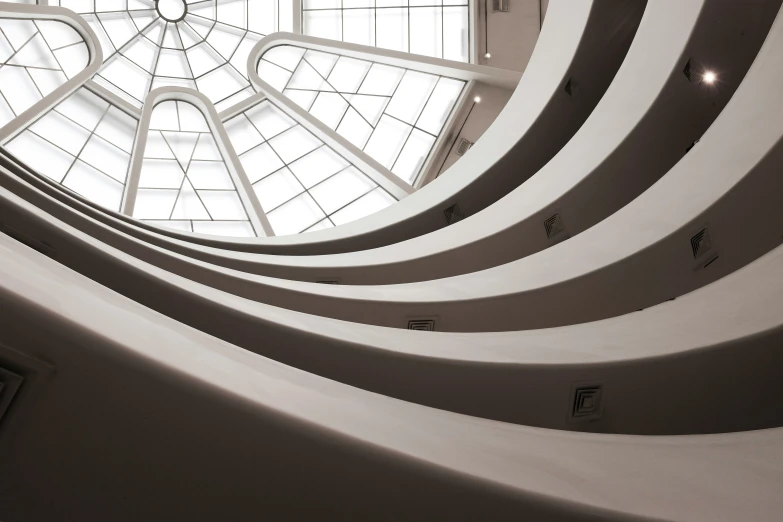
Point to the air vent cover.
(700, 243)
(9, 385)
(423, 325)
(586, 403)
(571, 87)
(463, 146)
(453, 214)
(687, 70)
(500, 5)
(553, 226)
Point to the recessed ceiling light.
(710, 77)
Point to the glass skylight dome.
(201, 45)
(333, 136)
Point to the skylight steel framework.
(393, 114)
(437, 28)
(204, 50)
(244, 160)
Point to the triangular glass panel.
(189, 205)
(371, 107)
(182, 145)
(307, 78)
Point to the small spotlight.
(477, 99)
(710, 77)
(487, 56)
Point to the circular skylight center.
(171, 10)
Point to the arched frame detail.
(469, 73)
(59, 14)
(246, 194)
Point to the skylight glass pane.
(321, 225)
(426, 31)
(295, 216)
(413, 155)
(329, 107)
(359, 26)
(411, 95)
(387, 140)
(294, 143)
(224, 228)
(392, 29)
(455, 31)
(317, 166)
(373, 106)
(341, 189)
(440, 104)
(277, 188)
(323, 24)
(298, 180)
(364, 206)
(94, 185)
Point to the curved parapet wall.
(150, 390)
(524, 377)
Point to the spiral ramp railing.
(607, 317)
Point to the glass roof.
(255, 171)
(204, 48)
(395, 115)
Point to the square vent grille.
(422, 325)
(463, 147)
(553, 226)
(586, 403)
(500, 6)
(687, 71)
(571, 87)
(453, 214)
(700, 243)
(9, 385)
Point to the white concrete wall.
(512, 35)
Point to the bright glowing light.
(487, 56)
(710, 77)
(477, 99)
(171, 10)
